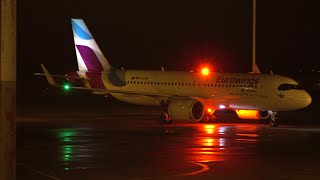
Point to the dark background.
(179, 35)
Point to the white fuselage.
(232, 90)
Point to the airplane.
(181, 95)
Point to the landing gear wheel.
(165, 119)
(166, 122)
(273, 123)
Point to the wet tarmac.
(130, 144)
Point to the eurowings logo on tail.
(89, 55)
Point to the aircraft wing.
(61, 76)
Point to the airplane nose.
(306, 99)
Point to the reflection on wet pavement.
(212, 142)
(97, 152)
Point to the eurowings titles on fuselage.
(237, 80)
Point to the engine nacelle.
(264, 114)
(186, 110)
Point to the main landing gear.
(165, 120)
(166, 124)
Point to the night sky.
(178, 35)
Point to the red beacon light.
(205, 71)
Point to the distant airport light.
(222, 106)
(205, 71)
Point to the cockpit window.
(285, 87)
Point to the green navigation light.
(66, 87)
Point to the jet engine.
(189, 109)
(264, 114)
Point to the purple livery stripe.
(95, 80)
(90, 58)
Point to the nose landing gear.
(273, 119)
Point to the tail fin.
(89, 55)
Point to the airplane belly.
(136, 99)
(249, 103)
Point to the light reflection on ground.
(210, 144)
(212, 141)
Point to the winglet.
(50, 79)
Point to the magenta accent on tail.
(90, 58)
(95, 80)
